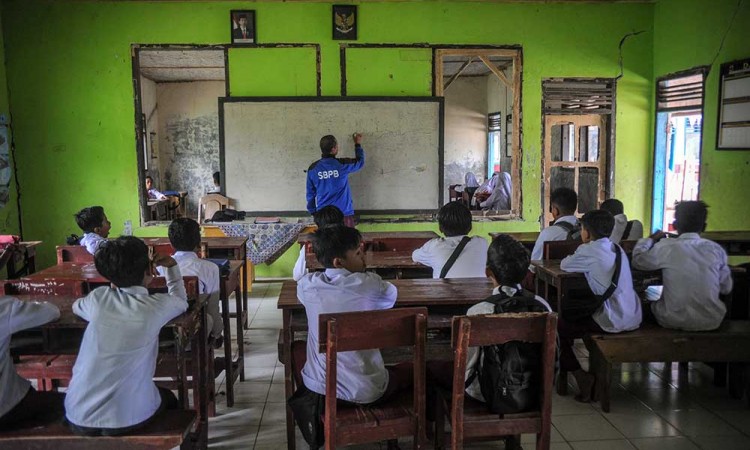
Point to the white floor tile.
(664, 443)
(602, 445)
(641, 425)
(699, 422)
(585, 428)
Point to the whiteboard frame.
(441, 146)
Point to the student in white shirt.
(185, 237)
(95, 226)
(112, 391)
(595, 258)
(326, 217)
(624, 230)
(151, 191)
(501, 194)
(362, 375)
(19, 402)
(507, 263)
(694, 272)
(454, 219)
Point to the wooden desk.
(386, 240)
(187, 327)
(233, 364)
(445, 295)
(401, 262)
(736, 243)
(159, 209)
(527, 238)
(23, 262)
(234, 248)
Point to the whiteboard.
(267, 144)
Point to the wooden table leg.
(562, 380)
(244, 290)
(228, 363)
(202, 380)
(288, 378)
(240, 333)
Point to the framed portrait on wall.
(345, 22)
(243, 26)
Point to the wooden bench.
(652, 343)
(171, 429)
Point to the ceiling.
(452, 64)
(163, 65)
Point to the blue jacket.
(328, 182)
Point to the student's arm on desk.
(175, 283)
(645, 256)
(26, 315)
(422, 254)
(578, 262)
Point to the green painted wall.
(688, 34)
(73, 99)
(9, 212)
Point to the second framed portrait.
(243, 26)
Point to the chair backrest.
(559, 249)
(452, 194)
(45, 287)
(159, 285)
(365, 330)
(209, 204)
(73, 253)
(482, 330)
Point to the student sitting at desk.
(185, 237)
(625, 230)
(507, 263)
(694, 272)
(457, 255)
(329, 216)
(614, 307)
(345, 286)
(95, 227)
(502, 192)
(19, 402)
(151, 191)
(112, 391)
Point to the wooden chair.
(209, 204)
(73, 253)
(471, 418)
(403, 414)
(453, 195)
(559, 249)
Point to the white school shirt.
(596, 260)
(92, 241)
(300, 267)
(208, 283)
(17, 315)
(474, 389)
(470, 180)
(551, 233)
(621, 222)
(694, 272)
(112, 384)
(501, 194)
(361, 375)
(470, 263)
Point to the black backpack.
(574, 231)
(509, 374)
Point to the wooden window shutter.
(676, 93)
(574, 96)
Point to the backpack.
(509, 373)
(574, 231)
(227, 215)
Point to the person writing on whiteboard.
(328, 178)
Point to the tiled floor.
(654, 407)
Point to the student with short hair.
(563, 205)
(151, 191)
(327, 217)
(454, 219)
(694, 272)
(19, 402)
(328, 178)
(95, 226)
(619, 307)
(185, 237)
(507, 263)
(217, 183)
(363, 377)
(625, 230)
(112, 391)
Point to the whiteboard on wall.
(267, 145)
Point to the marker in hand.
(357, 138)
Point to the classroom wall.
(189, 137)
(500, 99)
(465, 129)
(688, 33)
(73, 96)
(9, 211)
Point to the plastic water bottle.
(128, 228)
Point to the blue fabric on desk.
(222, 263)
(175, 193)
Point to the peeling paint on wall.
(193, 155)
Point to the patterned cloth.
(265, 242)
